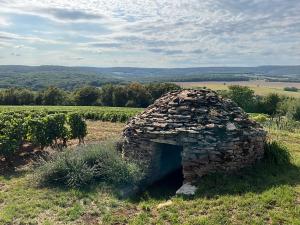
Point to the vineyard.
(111, 114)
(39, 129)
(44, 126)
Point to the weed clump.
(277, 154)
(84, 165)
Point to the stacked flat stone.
(216, 134)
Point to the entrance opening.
(170, 159)
(170, 176)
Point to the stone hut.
(195, 131)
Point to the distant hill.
(37, 77)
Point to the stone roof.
(190, 111)
(214, 133)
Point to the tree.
(25, 97)
(271, 102)
(106, 96)
(9, 97)
(86, 95)
(139, 95)
(120, 96)
(53, 96)
(243, 96)
(156, 90)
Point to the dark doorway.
(170, 176)
(170, 159)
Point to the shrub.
(293, 111)
(243, 96)
(78, 126)
(276, 154)
(260, 118)
(85, 165)
(43, 131)
(55, 127)
(290, 107)
(11, 135)
(293, 89)
(269, 104)
(37, 132)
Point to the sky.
(150, 33)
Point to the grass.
(252, 196)
(260, 87)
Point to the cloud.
(167, 32)
(69, 14)
(4, 22)
(31, 39)
(15, 54)
(105, 45)
(72, 58)
(166, 52)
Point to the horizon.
(150, 34)
(103, 67)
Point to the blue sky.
(150, 33)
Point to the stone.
(212, 134)
(186, 189)
(164, 204)
(230, 126)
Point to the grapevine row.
(38, 128)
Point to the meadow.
(258, 195)
(260, 87)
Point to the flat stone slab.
(186, 189)
(165, 204)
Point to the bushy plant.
(290, 107)
(11, 135)
(85, 165)
(292, 89)
(78, 126)
(294, 111)
(276, 154)
(243, 96)
(260, 118)
(55, 127)
(37, 133)
(47, 130)
(269, 104)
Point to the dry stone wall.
(215, 133)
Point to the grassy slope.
(257, 196)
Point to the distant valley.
(38, 77)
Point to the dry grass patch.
(101, 131)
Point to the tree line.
(271, 104)
(130, 95)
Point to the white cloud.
(4, 22)
(194, 31)
(31, 39)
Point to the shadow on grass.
(273, 170)
(255, 179)
(162, 189)
(19, 163)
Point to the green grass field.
(258, 195)
(260, 87)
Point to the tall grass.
(276, 154)
(84, 165)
